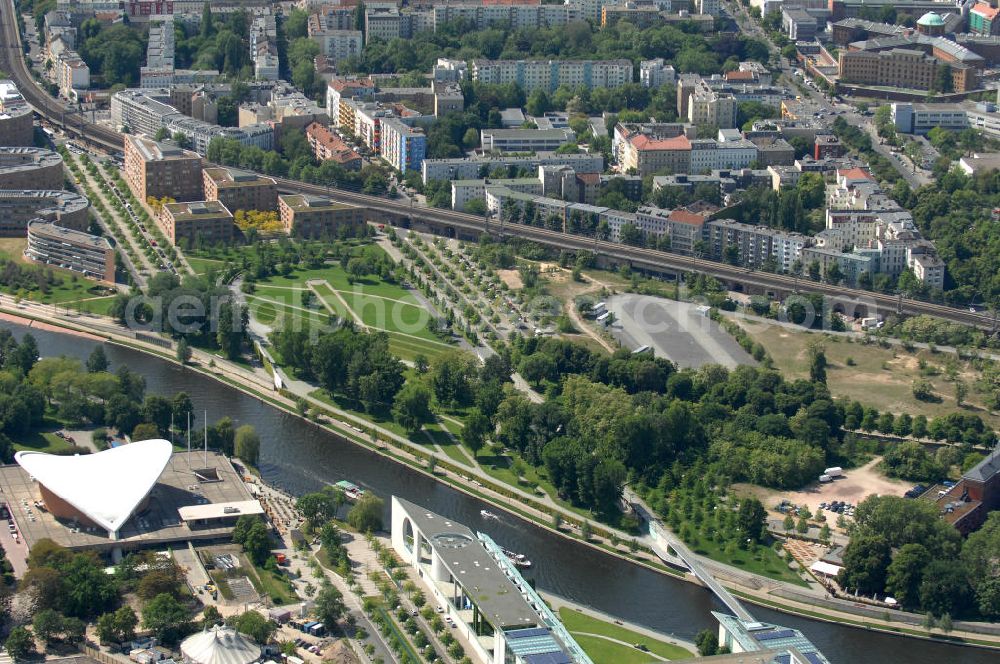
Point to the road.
(473, 226)
(915, 179)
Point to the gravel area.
(678, 331)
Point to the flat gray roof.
(473, 568)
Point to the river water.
(300, 457)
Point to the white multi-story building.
(481, 165)
(339, 44)
(385, 23)
(655, 73)
(146, 111)
(550, 74)
(447, 70)
(72, 74)
(517, 16)
(710, 7)
(525, 140)
(464, 191)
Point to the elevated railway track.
(848, 300)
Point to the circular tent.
(219, 645)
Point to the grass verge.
(606, 650)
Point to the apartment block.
(551, 74)
(684, 229)
(656, 73)
(72, 74)
(464, 191)
(240, 190)
(341, 89)
(903, 68)
(403, 147)
(702, 105)
(327, 146)
(146, 111)
(20, 206)
(314, 216)
(16, 117)
(482, 164)
(339, 45)
(30, 168)
(161, 170)
(210, 222)
(90, 255)
(525, 140)
(519, 15)
(983, 19)
(641, 16)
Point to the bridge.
(668, 546)
(849, 301)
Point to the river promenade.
(259, 383)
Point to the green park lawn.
(204, 265)
(273, 584)
(765, 562)
(38, 441)
(600, 638)
(379, 305)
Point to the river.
(300, 457)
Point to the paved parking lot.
(678, 331)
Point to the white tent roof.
(828, 569)
(106, 487)
(219, 645)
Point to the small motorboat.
(486, 514)
(519, 559)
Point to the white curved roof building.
(219, 645)
(102, 489)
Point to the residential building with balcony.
(68, 249)
(240, 190)
(160, 170)
(303, 215)
(209, 222)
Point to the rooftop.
(931, 19)
(49, 201)
(534, 133)
(985, 469)
(757, 636)
(160, 151)
(231, 177)
(305, 201)
(25, 159)
(499, 600)
(982, 9)
(49, 230)
(105, 487)
(196, 209)
(644, 142)
(190, 478)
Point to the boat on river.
(352, 491)
(519, 559)
(486, 514)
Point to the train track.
(12, 59)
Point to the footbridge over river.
(669, 547)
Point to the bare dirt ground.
(512, 278)
(856, 485)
